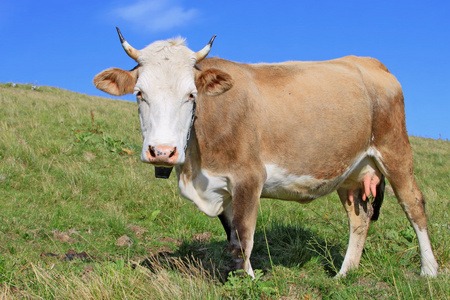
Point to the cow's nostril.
(151, 149)
(173, 152)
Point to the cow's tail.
(378, 201)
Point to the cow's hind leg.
(359, 214)
(394, 156)
(399, 172)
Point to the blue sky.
(66, 43)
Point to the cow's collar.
(164, 172)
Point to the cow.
(293, 131)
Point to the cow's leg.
(226, 218)
(245, 202)
(393, 153)
(399, 172)
(359, 214)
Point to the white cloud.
(156, 15)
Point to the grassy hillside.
(82, 217)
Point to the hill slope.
(81, 215)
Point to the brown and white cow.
(293, 131)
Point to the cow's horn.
(132, 52)
(200, 55)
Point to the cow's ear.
(116, 81)
(213, 82)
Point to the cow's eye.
(139, 96)
(191, 97)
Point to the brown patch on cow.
(214, 82)
(300, 124)
(234, 128)
(116, 81)
(222, 118)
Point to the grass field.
(83, 218)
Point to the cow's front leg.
(245, 202)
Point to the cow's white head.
(164, 85)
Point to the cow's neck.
(192, 161)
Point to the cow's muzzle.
(162, 155)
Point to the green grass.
(72, 184)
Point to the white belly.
(280, 184)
